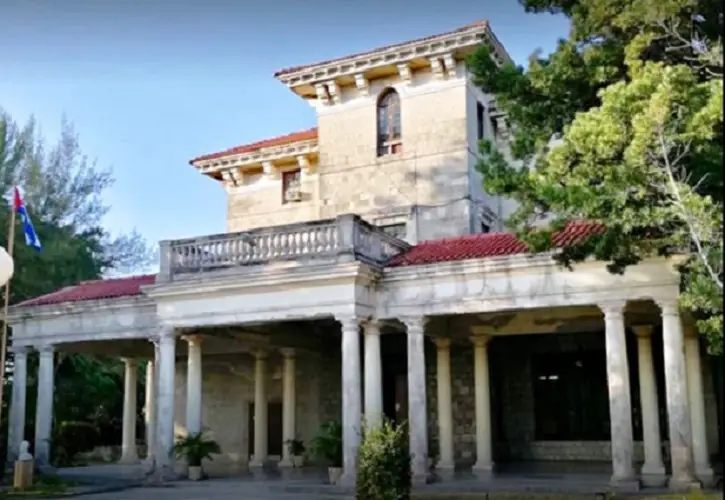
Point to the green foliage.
(384, 465)
(296, 447)
(327, 445)
(195, 448)
(71, 439)
(622, 125)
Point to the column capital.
(45, 349)
(19, 349)
(260, 354)
(480, 340)
(130, 362)
(163, 334)
(371, 327)
(442, 343)
(193, 339)
(415, 324)
(288, 352)
(612, 307)
(669, 307)
(351, 321)
(642, 331)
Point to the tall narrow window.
(291, 191)
(480, 115)
(389, 130)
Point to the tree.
(633, 103)
(63, 192)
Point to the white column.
(373, 375)
(165, 402)
(351, 397)
(484, 456)
(150, 408)
(128, 440)
(417, 398)
(678, 411)
(193, 385)
(289, 404)
(44, 409)
(16, 427)
(653, 469)
(696, 395)
(620, 401)
(445, 404)
(260, 409)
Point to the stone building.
(365, 274)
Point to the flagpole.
(4, 342)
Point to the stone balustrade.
(345, 235)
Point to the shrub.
(70, 438)
(195, 448)
(327, 445)
(383, 469)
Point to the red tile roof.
(304, 135)
(477, 24)
(94, 290)
(479, 246)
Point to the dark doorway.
(395, 377)
(274, 428)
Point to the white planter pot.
(298, 461)
(334, 474)
(195, 473)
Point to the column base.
(130, 460)
(445, 470)
(285, 463)
(706, 476)
(653, 476)
(684, 484)
(625, 483)
(483, 471)
(258, 463)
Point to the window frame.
(289, 177)
(388, 141)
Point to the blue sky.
(151, 84)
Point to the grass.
(42, 486)
(563, 496)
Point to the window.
(389, 130)
(571, 401)
(480, 115)
(291, 186)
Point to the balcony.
(333, 239)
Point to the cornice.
(263, 278)
(301, 148)
(100, 306)
(438, 46)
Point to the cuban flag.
(31, 237)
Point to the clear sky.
(150, 84)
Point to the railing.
(344, 235)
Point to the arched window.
(389, 130)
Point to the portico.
(262, 351)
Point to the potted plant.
(296, 448)
(327, 447)
(194, 448)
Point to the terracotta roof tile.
(304, 135)
(94, 290)
(477, 24)
(478, 246)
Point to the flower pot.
(334, 474)
(195, 473)
(298, 461)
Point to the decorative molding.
(449, 63)
(333, 90)
(402, 53)
(362, 84)
(405, 73)
(268, 168)
(237, 162)
(304, 163)
(436, 67)
(322, 95)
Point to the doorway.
(274, 428)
